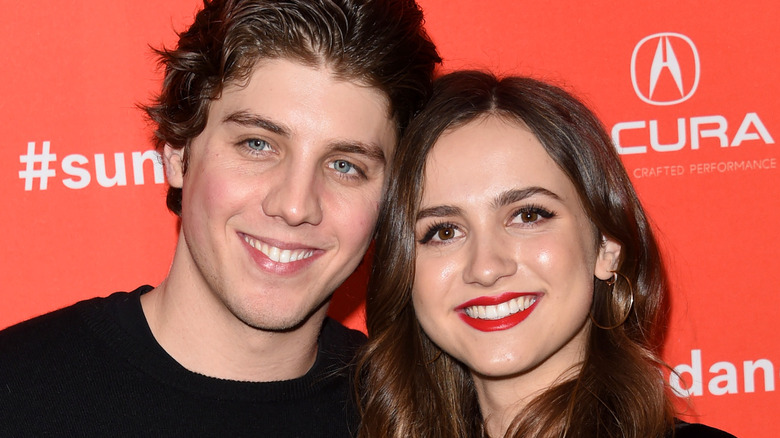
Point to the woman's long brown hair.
(410, 388)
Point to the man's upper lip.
(492, 300)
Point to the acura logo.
(665, 68)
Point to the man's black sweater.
(94, 369)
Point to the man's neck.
(207, 339)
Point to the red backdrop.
(688, 90)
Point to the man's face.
(281, 192)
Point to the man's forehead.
(331, 69)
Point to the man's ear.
(608, 258)
(173, 161)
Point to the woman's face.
(506, 255)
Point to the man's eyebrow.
(439, 211)
(515, 195)
(245, 118)
(369, 150)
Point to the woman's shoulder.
(696, 430)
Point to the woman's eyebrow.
(504, 198)
(439, 211)
(510, 196)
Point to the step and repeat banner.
(688, 90)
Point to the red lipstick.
(491, 325)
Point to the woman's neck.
(502, 399)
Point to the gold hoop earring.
(612, 282)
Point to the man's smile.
(276, 254)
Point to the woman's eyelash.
(435, 228)
(527, 214)
(532, 212)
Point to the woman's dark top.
(695, 430)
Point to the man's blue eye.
(343, 166)
(257, 144)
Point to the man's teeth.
(279, 255)
(501, 310)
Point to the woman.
(513, 234)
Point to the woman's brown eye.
(445, 233)
(529, 216)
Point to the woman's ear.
(173, 161)
(608, 258)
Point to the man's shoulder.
(49, 332)
(53, 325)
(338, 347)
(336, 332)
(339, 339)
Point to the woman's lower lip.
(493, 325)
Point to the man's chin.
(280, 323)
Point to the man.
(276, 122)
